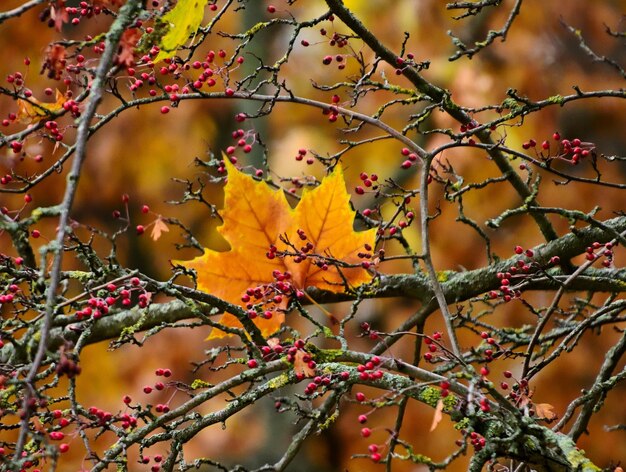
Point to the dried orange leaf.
(158, 229)
(55, 61)
(59, 15)
(545, 411)
(300, 366)
(273, 342)
(128, 42)
(438, 416)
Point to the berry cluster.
(571, 151)
(367, 330)
(433, 345)
(245, 141)
(597, 250)
(98, 306)
(524, 267)
(335, 40)
(263, 300)
(411, 158)
(370, 370)
(369, 182)
(319, 381)
(9, 297)
(157, 458)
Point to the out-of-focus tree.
(463, 309)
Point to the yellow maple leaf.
(32, 110)
(325, 218)
(257, 217)
(182, 22)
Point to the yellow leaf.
(32, 110)
(325, 217)
(183, 21)
(255, 217)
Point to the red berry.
(140, 230)
(165, 109)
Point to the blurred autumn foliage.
(151, 157)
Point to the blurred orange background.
(139, 152)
